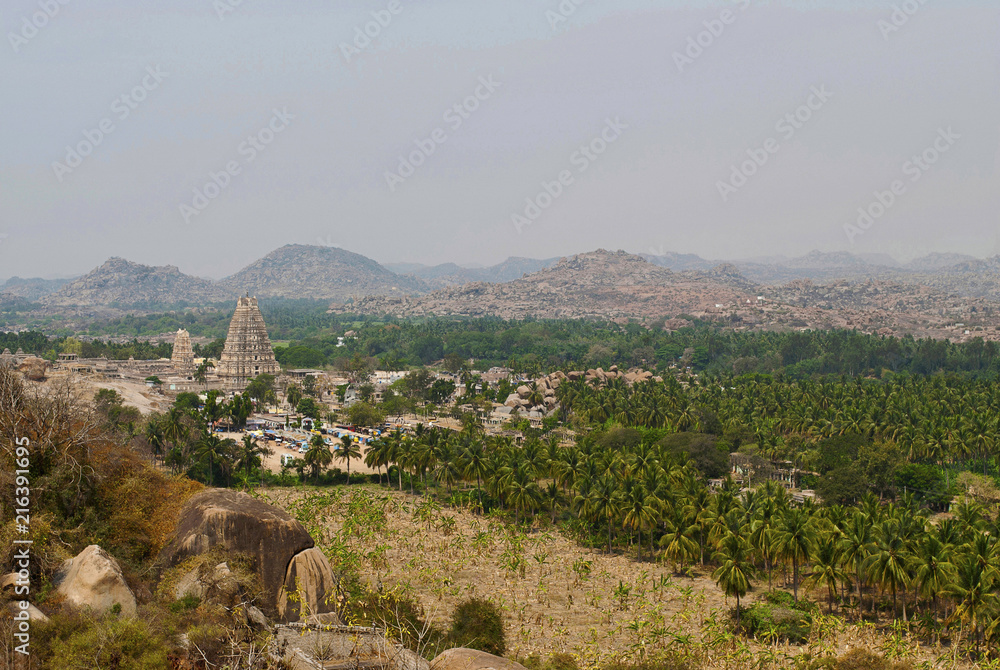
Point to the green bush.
(76, 641)
(477, 623)
(778, 616)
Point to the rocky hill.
(322, 273)
(621, 286)
(600, 284)
(124, 284)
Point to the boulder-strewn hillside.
(322, 273)
(122, 283)
(600, 284)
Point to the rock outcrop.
(471, 659)
(93, 579)
(308, 574)
(219, 585)
(277, 544)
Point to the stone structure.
(183, 357)
(248, 352)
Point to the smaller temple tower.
(183, 358)
(248, 351)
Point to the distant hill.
(680, 262)
(124, 284)
(451, 274)
(323, 273)
(936, 261)
(32, 289)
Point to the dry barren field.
(557, 596)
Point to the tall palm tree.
(794, 540)
(175, 429)
(641, 511)
(857, 544)
(933, 569)
(827, 562)
(250, 454)
(735, 568)
(318, 455)
(155, 437)
(215, 450)
(349, 448)
(888, 565)
(475, 464)
(974, 593)
(675, 542)
(522, 493)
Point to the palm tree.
(676, 544)
(793, 541)
(974, 592)
(318, 456)
(155, 437)
(215, 449)
(889, 562)
(826, 566)
(293, 394)
(522, 492)
(857, 544)
(349, 448)
(933, 569)
(735, 570)
(640, 512)
(475, 463)
(251, 454)
(175, 430)
(377, 456)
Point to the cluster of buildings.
(247, 354)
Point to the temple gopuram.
(248, 352)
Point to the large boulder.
(471, 659)
(241, 524)
(93, 579)
(308, 576)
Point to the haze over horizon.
(673, 129)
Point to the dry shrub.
(862, 659)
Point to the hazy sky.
(309, 120)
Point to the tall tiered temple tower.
(248, 352)
(183, 358)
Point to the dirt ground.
(136, 394)
(557, 596)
